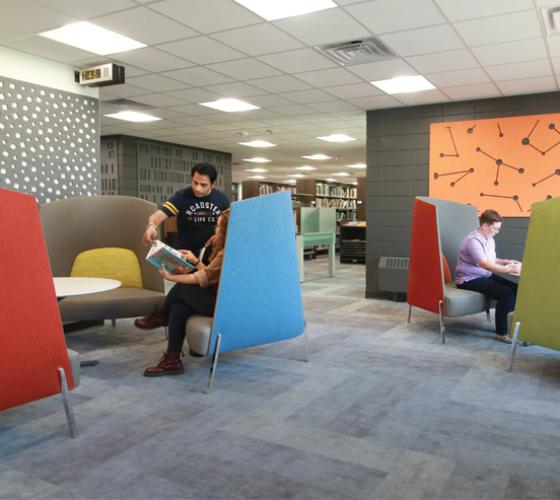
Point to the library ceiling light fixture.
(330, 179)
(93, 38)
(342, 174)
(337, 138)
(403, 84)
(305, 167)
(357, 165)
(257, 177)
(257, 159)
(297, 176)
(318, 157)
(133, 116)
(229, 105)
(289, 181)
(286, 8)
(258, 144)
(256, 170)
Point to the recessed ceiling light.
(93, 38)
(403, 84)
(337, 138)
(272, 10)
(305, 167)
(298, 176)
(257, 177)
(257, 159)
(342, 174)
(229, 105)
(258, 144)
(133, 116)
(256, 170)
(289, 181)
(357, 165)
(330, 179)
(317, 156)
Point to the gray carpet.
(382, 410)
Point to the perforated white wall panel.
(49, 141)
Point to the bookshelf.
(343, 197)
(250, 189)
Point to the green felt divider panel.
(318, 220)
(539, 286)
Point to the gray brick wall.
(398, 145)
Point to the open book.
(161, 254)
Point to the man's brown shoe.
(169, 364)
(154, 320)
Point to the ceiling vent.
(126, 104)
(551, 18)
(357, 51)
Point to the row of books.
(274, 188)
(324, 189)
(340, 203)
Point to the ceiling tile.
(332, 106)
(201, 50)
(458, 10)
(326, 26)
(328, 77)
(194, 110)
(443, 61)
(242, 68)
(293, 110)
(460, 77)
(279, 84)
(382, 70)
(510, 52)
(125, 90)
(198, 76)
(476, 91)
(156, 83)
(207, 16)
(553, 43)
(152, 60)
(556, 65)
(307, 96)
(235, 89)
(194, 95)
(269, 100)
(159, 100)
(528, 86)
(270, 40)
(520, 70)
(145, 25)
(385, 16)
(16, 20)
(298, 61)
(375, 102)
(499, 29)
(165, 113)
(350, 91)
(50, 49)
(423, 40)
(84, 9)
(425, 97)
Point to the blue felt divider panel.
(259, 300)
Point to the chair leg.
(441, 324)
(113, 322)
(409, 312)
(67, 403)
(214, 362)
(513, 345)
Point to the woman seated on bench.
(478, 264)
(194, 293)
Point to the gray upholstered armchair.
(105, 233)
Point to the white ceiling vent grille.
(357, 51)
(551, 18)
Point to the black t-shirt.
(196, 217)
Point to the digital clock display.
(91, 74)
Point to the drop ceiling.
(202, 50)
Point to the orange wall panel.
(506, 164)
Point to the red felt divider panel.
(32, 344)
(425, 280)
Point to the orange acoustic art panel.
(506, 164)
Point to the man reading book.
(196, 208)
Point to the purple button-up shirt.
(475, 247)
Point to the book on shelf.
(162, 255)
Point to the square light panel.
(272, 10)
(256, 170)
(305, 167)
(357, 165)
(133, 116)
(337, 138)
(93, 38)
(342, 174)
(229, 105)
(317, 156)
(403, 84)
(258, 144)
(257, 177)
(297, 176)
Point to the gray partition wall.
(398, 142)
